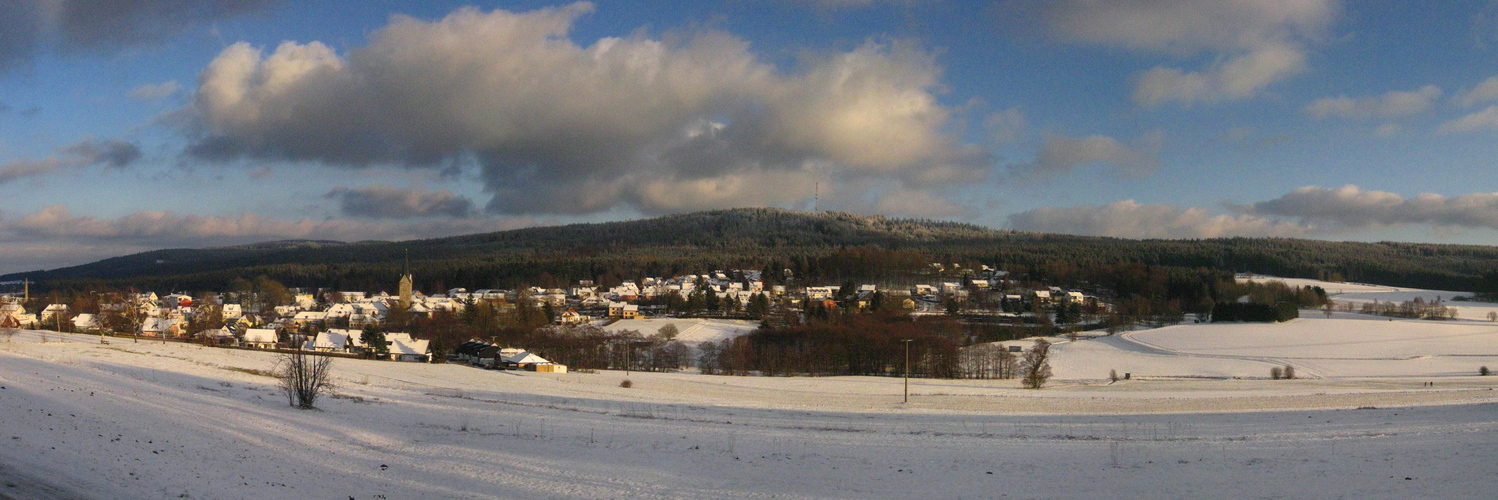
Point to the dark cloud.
(22, 22)
(113, 153)
(107, 25)
(1350, 207)
(385, 202)
(89, 152)
(104, 26)
(21, 169)
(561, 128)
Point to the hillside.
(827, 247)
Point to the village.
(359, 323)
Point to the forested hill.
(820, 247)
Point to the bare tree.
(304, 376)
(1289, 372)
(1037, 364)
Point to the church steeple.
(405, 286)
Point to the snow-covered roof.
(409, 346)
(331, 340)
(261, 335)
(526, 358)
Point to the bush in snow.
(1289, 371)
(1483, 371)
(304, 376)
(626, 384)
(1276, 373)
(1113, 375)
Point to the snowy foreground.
(147, 420)
(1384, 409)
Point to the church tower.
(405, 286)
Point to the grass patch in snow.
(251, 371)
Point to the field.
(1199, 418)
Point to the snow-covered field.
(1360, 293)
(692, 330)
(146, 420)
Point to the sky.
(143, 124)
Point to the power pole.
(907, 369)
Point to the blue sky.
(129, 126)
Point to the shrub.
(1113, 375)
(304, 376)
(1483, 371)
(626, 384)
(1276, 373)
(1289, 371)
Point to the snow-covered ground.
(1360, 293)
(146, 420)
(692, 330)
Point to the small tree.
(1483, 371)
(668, 332)
(1037, 366)
(1112, 375)
(1289, 372)
(304, 376)
(1276, 373)
(1492, 316)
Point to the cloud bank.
(54, 237)
(1352, 208)
(1130, 219)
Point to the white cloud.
(151, 92)
(1483, 92)
(1487, 119)
(1350, 207)
(1130, 219)
(559, 127)
(1392, 104)
(1061, 154)
(1256, 42)
(1237, 78)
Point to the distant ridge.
(828, 246)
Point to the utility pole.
(907, 369)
